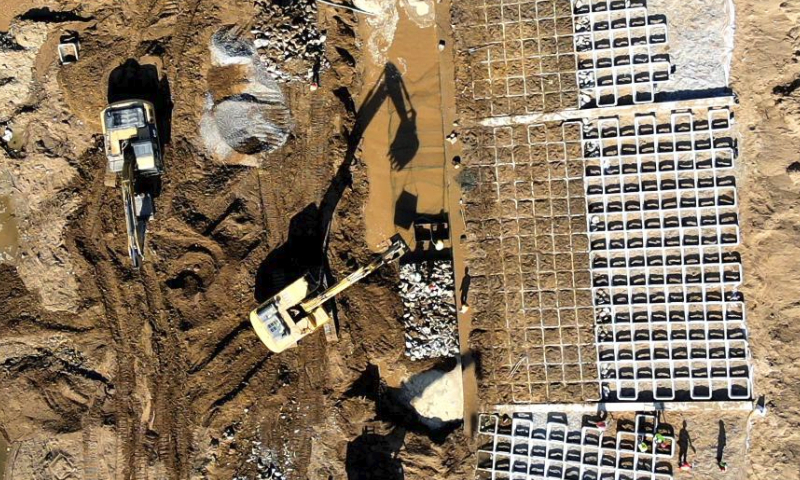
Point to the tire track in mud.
(87, 229)
(183, 31)
(170, 410)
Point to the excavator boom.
(395, 251)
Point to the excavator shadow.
(134, 81)
(305, 249)
(392, 404)
(136, 126)
(299, 254)
(374, 455)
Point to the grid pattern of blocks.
(523, 449)
(663, 227)
(621, 52)
(522, 55)
(528, 258)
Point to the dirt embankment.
(156, 373)
(766, 75)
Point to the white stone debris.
(288, 40)
(428, 295)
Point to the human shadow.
(466, 281)
(684, 444)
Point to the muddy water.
(403, 144)
(3, 456)
(9, 236)
(425, 183)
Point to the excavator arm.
(395, 251)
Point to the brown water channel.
(404, 141)
(9, 236)
(408, 106)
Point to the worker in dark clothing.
(684, 444)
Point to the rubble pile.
(265, 463)
(9, 43)
(427, 292)
(288, 39)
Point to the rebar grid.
(528, 257)
(527, 448)
(663, 225)
(522, 54)
(621, 52)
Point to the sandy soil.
(114, 373)
(765, 76)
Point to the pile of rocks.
(265, 462)
(288, 39)
(427, 291)
(9, 43)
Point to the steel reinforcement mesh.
(527, 252)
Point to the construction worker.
(643, 446)
(661, 441)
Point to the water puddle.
(9, 235)
(403, 143)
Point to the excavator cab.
(296, 311)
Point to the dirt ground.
(114, 373)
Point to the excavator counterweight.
(296, 311)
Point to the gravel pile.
(265, 463)
(428, 295)
(255, 120)
(288, 39)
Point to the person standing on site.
(684, 444)
(722, 441)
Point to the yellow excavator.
(296, 311)
(134, 156)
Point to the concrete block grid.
(529, 263)
(530, 447)
(663, 228)
(621, 52)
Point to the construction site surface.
(598, 199)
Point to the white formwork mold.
(663, 231)
(621, 52)
(531, 448)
